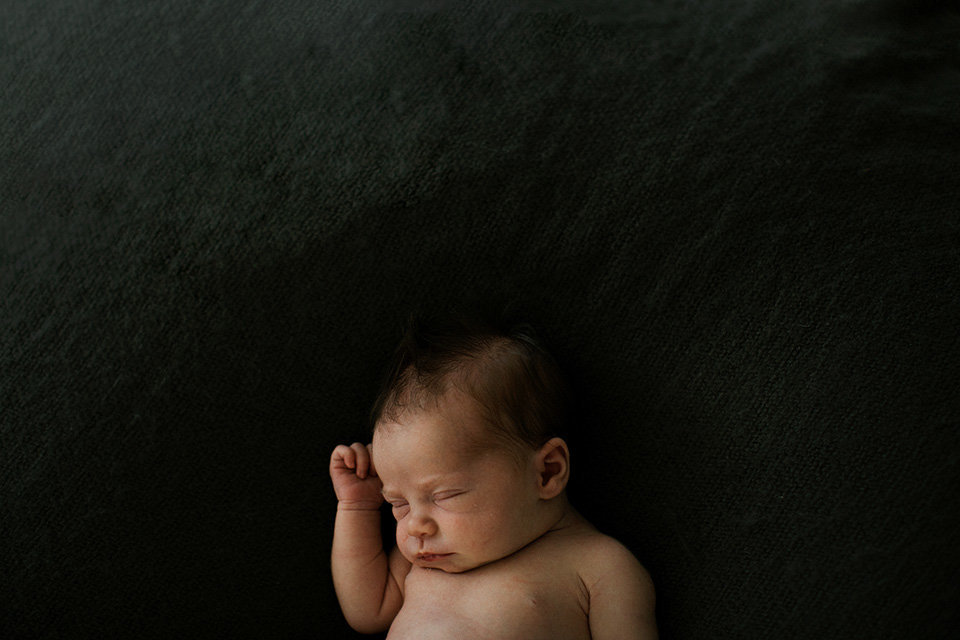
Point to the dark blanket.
(736, 222)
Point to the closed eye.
(446, 495)
(400, 508)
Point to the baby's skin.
(487, 544)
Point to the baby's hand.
(354, 478)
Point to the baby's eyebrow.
(425, 484)
(386, 491)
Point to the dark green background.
(737, 223)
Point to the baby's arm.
(621, 594)
(369, 594)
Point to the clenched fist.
(354, 477)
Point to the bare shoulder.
(603, 557)
(620, 591)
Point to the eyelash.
(397, 506)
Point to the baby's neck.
(563, 516)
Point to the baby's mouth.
(432, 557)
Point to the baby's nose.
(421, 527)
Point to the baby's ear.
(553, 468)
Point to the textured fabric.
(736, 222)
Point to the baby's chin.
(450, 564)
(454, 564)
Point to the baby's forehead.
(419, 442)
(437, 445)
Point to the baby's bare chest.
(505, 602)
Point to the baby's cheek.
(480, 528)
(503, 530)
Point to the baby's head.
(466, 441)
(512, 380)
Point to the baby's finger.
(363, 459)
(343, 457)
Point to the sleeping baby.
(465, 452)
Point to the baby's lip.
(428, 556)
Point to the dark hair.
(503, 366)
